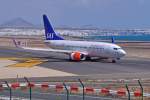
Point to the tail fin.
(49, 31)
(112, 39)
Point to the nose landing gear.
(113, 61)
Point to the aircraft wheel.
(113, 61)
(88, 58)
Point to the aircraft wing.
(53, 50)
(47, 49)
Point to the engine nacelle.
(77, 56)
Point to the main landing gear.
(88, 58)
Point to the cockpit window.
(117, 48)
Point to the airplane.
(78, 50)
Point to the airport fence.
(122, 89)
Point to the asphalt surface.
(95, 69)
(124, 68)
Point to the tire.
(88, 58)
(113, 61)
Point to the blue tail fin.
(49, 31)
(112, 39)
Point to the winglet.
(112, 39)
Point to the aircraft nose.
(122, 53)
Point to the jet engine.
(77, 56)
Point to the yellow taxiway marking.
(24, 62)
(14, 58)
(28, 63)
(8, 58)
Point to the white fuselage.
(92, 49)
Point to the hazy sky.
(100, 13)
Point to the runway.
(128, 67)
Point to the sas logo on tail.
(50, 35)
